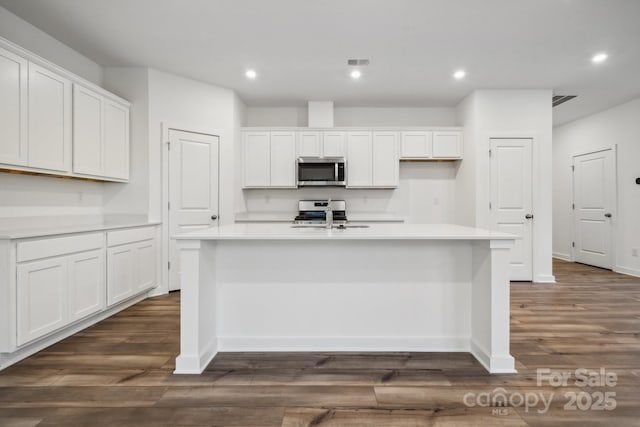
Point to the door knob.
(608, 215)
(214, 217)
(528, 216)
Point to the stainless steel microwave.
(321, 172)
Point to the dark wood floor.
(119, 372)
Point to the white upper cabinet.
(269, 159)
(359, 159)
(283, 160)
(309, 144)
(13, 108)
(447, 145)
(100, 135)
(49, 124)
(431, 145)
(416, 144)
(321, 144)
(49, 120)
(116, 140)
(385, 160)
(333, 144)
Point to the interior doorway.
(594, 197)
(193, 187)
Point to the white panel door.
(256, 157)
(593, 197)
(447, 145)
(309, 144)
(283, 160)
(86, 276)
(416, 144)
(511, 202)
(120, 273)
(359, 159)
(13, 109)
(333, 144)
(193, 189)
(87, 131)
(49, 120)
(116, 140)
(385, 159)
(42, 298)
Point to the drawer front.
(122, 237)
(45, 248)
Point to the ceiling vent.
(357, 62)
(561, 99)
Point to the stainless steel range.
(317, 212)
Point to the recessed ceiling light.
(459, 74)
(251, 74)
(599, 57)
(356, 74)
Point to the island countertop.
(276, 231)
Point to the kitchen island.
(388, 287)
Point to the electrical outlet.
(634, 252)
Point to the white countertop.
(21, 228)
(271, 217)
(377, 231)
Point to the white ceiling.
(300, 47)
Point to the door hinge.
(169, 265)
(573, 244)
(168, 145)
(573, 168)
(489, 205)
(169, 205)
(489, 153)
(573, 205)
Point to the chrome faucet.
(328, 214)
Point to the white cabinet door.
(116, 140)
(41, 298)
(333, 144)
(13, 109)
(49, 145)
(416, 144)
(145, 256)
(257, 159)
(87, 131)
(359, 159)
(283, 160)
(447, 145)
(120, 273)
(86, 278)
(385, 159)
(309, 144)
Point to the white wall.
(353, 116)
(511, 113)
(188, 103)
(465, 203)
(616, 127)
(24, 34)
(24, 195)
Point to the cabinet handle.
(214, 217)
(608, 215)
(528, 216)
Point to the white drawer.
(44, 248)
(130, 235)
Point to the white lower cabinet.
(42, 298)
(59, 280)
(131, 263)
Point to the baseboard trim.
(544, 278)
(499, 364)
(563, 257)
(627, 271)
(358, 343)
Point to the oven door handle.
(335, 167)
